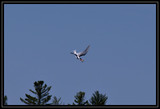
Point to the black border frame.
(81, 2)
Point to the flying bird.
(78, 55)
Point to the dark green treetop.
(79, 99)
(98, 99)
(41, 92)
(56, 101)
(5, 100)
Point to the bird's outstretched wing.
(85, 51)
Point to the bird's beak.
(71, 52)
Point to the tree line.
(42, 97)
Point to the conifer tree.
(5, 100)
(56, 101)
(41, 92)
(79, 99)
(98, 99)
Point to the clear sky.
(121, 61)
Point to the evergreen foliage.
(5, 100)
(56, 101)
(98, 99)
(41, 92)
(79, 99)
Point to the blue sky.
(121, 61)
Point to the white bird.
(78, 55)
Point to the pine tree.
(41, 91)
(5, 100)
(56, 101)
(98, 99)
(79, 99)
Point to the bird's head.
(72, 53)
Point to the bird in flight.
(78, 55)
